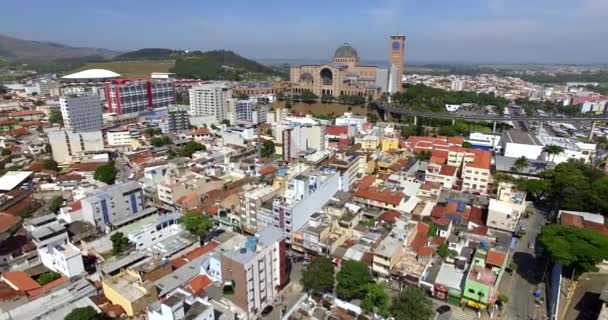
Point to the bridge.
(391, 110)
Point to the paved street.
(521, 285)
(290, 294)
(585, 303)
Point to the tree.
(352, 280)
(106, 173)
(190, 148)
(503, 298)
(319, 276)
(55, 204)
(196, 223)
(553, 150)
(521, 163)
(153, 131)
(226, 122)
(376, 300)
(443, 250)
(6, 152)
(423, 156)
(535, 188)
(160, 141)
(467, 144)
(84, 313)
(50, 164)
(578, 248)
(269, 132)
(309, 97)
(120, 243)
(48, 277)
(267, 149)
(411, 304)
(55, 116)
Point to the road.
(482, 117)
(290, 294)
(528, 278)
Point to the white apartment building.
(305, 194)
(210, 99)
(120, 137)
(299, 140)
(55, 250)
(250, 202)
(115, 205)
(81, 113)
(255, 267)
(504, 215)
(148, 235)
(351, 120)
(68, 147)
(182, 305)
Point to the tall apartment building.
(178, 119)
(210, 100)
(255, 268)
(115, 205)
(81, 113)
(55, 250)
(250, 202)
(126, 96)
(305, 194)
(299, 140)
(68, 147)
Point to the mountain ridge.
(21, 49)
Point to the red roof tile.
(199, 283)
(8, 221)
(495, 258)
(20, 280)
(74, 206)
(47, 287)
(201, 132)
(573, 220)
(366, 181)
(200, 251)
(425, 251)
(85, 166)
(389, 216)
(336, 130)
(268, 170)
(19, 132)
(381, 195)
(23, 113)
(419, 240)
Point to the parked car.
(443, 309)
(267, 311)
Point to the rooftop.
(92, 74)
(450, 276)
(128, 286)
(520, 137)
(482, 275)
(12, 179)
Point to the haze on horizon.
(471, 31)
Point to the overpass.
(388, 109)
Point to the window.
(471, 291)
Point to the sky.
(466, 31)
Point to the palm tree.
(521, 163)
(553, 150)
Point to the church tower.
(396, 61)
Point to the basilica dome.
(346, 51)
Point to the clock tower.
(396, 61)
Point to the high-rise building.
(396, 60)
(457, 85)
(210, 100)
(254, 268)
(126, 96)
(81, 113)
(179, 120)
(67, 146)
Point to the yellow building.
(126, 290)
(390, 144)
(370, 143)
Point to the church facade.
(345, 76)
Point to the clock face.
(396, 45)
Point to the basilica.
(345, 76)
